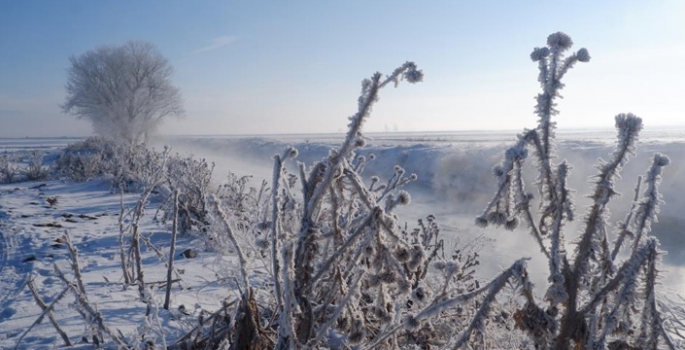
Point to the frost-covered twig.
(649, 206)
(625, 279)
(551, 72)
(322, 177)
(624, 226)
(650, 327)
(47, 310)
(90, 310)
(223, 217)
(287, 338)
(275, 246)
(122, 249)
(75, 263)
(628, 126)
(172, 252)
(517, 270)
(563, 210)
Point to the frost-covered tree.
(124, 91)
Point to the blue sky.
(262, 67)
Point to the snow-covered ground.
(454, 185)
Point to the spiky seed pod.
(512, 224)
(439, 265)
(481, 222)
(414, 75)
(539, 53)
(583, 55)
(661, 160)
(403, 285)
(262, 243)
(403, 198)
(559, 41)
(388, 277)
(360, 142)
(417, 257)
(402, 254)
(382, 314)
(497, 171)
(516, 153)
(357, 332)
(374, 279)
(411, 323)
(453, 267)
(369, 251)
(292, 152)
(420, 294)
(497, 218)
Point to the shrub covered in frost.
(193, 179)
(8, 171)
(129, 166)
(345, 270)
(35, 170)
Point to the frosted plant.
(593, 301)
(35, 171)
(343, 269)
(7, 170)
(193, 178)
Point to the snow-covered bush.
(593, 300)
(193, 179)
(35, 171)
(124, 164)
(87, 159)
(8, 171)
(130, 166)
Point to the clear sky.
(262, 67)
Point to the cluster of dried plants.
(346, 272)
(33, 171)
(8, 171)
